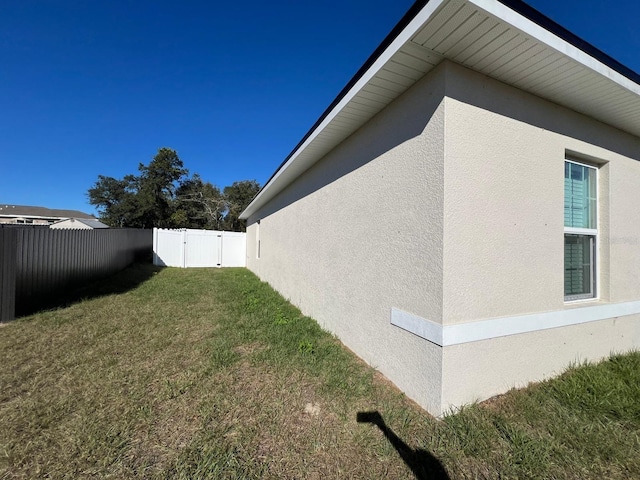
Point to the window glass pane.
(580, 194)
(592, 196)
(579, 266)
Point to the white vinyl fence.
(198, 248)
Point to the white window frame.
(592, 232)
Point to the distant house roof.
(69, 223)
(91, 222)
(503, 39)
(40, 212)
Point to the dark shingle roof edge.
(31, 211)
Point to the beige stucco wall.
(362, 233)
(449, 205)
(504, 187)
(503, 232)
(478, 370)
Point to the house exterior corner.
(463, 216)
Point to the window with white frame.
(580, 230)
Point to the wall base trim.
(446, 335)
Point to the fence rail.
(36, 263)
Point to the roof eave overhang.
(506, 40)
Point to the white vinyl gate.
(198, 248)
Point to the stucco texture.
(478, 370)
(503, 233)
(504, 187)
(448, 204)
(361, 231)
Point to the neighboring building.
(464, 216)
(79, 223)
(26, 215)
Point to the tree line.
(163, 195)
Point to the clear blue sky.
(96, 87)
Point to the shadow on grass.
(120, 282)
(422, 463)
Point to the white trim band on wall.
(501, 327)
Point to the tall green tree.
(238, 196)
(158, 182)
(199, 204)
(142, 201)
(116, 200)
(163, 196)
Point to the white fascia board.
(447, 335)
(547, 37)
(411, 29)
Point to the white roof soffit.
(505, 39)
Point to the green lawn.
(208, 373)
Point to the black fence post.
(8, 261)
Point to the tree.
(199, 205)
(238, 196)
(158, 182)
(163, 196)
(143, 201)
(115, 199)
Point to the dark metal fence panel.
(37, 263)
(8, 243)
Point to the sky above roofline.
(95, 88)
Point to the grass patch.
(209, 373)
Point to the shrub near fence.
(36, 262)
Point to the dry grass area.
(209, 373)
